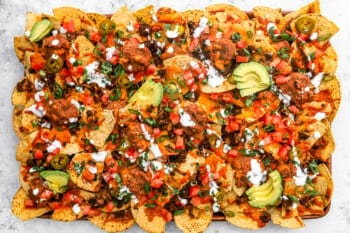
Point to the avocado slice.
(40, 30)
(268, 193)
(251, 77)
(150, 93)
(57, 181)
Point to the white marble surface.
(12, 14)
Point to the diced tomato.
(29, 203)
(95, 37)
(194, 87)
(302, 37)
(114, 60)
(156, 183)
(194, 191)
(166, 215)
(175, 118)
(283, 152)
(37, 61)
(293, 109)
(156, 132)
(109, 206)
(105, 99)
(240, 44)
(87, 175)
(277, 137)
(275, 119)
(134, 40)
(90, 211)
(311, 65)
(232, 153)
(232, 125)
(242, 59)
(151, 69)
(88, 100)
(55, 205)
(107, 177)
(69, 25)
(200, 200)
(64, 72)
(281, 65)
(47, 194)
(280, 79)
(179, 144)
(80, 70)
(205, 178)
(268, 140)
(194, 44)
(188, 77)
(38, 154)
(178, 132)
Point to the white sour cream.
(320, 116)
(54, 146)
(201, 27)
(37, 111)
(185, 119)
(99, 156)
(256, 176)
(76, 209)
(215, 79)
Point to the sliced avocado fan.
(251, 78)
(266, 194)
(57, 181)
(150, 93)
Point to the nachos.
(158, 115)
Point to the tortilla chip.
(23, 147)
(157, 225)
(181, 61)
(115, 208)
(324, 172)
(313, 7)
(96, 19)
(332, 84)
(225, 86)
(267, 14)
(17, 122)
(123, 17)
(293, 222)
(70, 13)
(327, 147)
(64, 214)
(225, 199)
(98, 137)
(71, 148)
(192, 161)
(78, 180)
(31, 19)
(329, 61)
(192, 223)
(238, 190)
(109, 223)
(324, 27)
(235, 215)
(232, 13)
(83, 48)
(145, 14)
(19, 98)
(196, 15)
(22, 212)
(22, 44)
(317, 129)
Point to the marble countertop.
(12, 20)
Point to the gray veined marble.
(12, 23)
